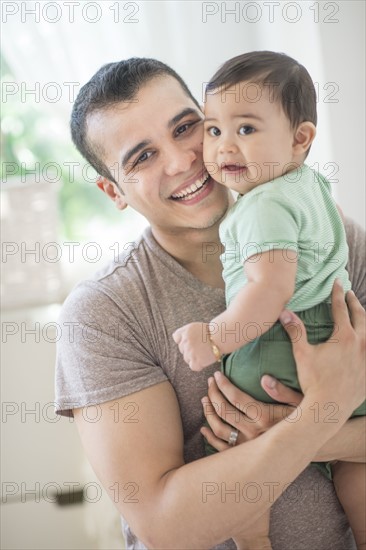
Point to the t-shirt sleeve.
(103, 352)
(269, 223)
(356, 239)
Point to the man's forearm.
(194, 494)
(186, 505)
(348, 444)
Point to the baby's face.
(247, 137)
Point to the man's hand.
(342, 356)
(226, 404)
(194, 344)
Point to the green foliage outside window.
(31, 134)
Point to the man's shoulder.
(118, 280)
(141, 274)
(127, 256)
(356, 240)
(355, 231)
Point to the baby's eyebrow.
(245, 115)
(249, 115)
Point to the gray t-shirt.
(117, 339)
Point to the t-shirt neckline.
(176, 268)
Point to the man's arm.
(169, 504)
(347, 445)
(175, 505)
(226, 404)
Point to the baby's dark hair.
(288, 82)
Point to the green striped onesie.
(296, 214)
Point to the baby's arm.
(271, 283)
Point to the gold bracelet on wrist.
(217, 353)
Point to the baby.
(284, 241)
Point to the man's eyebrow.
(126, 157)
(182, 114)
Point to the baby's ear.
(303, 137)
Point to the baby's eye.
(213, 131)
(245, 130)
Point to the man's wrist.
(324, 410)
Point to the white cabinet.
(40, 452)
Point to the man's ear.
(111, 189)
(303, 137)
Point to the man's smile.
(192, 190)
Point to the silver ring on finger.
(233, 438)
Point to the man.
(137, 123)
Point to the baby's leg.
(350, 483)
(257, 538)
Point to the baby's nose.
(228, 146)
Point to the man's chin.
(212, 221)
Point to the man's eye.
(146, 155)
(182, 129)
(213, 131)
(245, 130)
(186, 127)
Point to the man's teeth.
(198, 184)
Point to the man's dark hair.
(288, 82)
(113, 83)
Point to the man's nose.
(179, 160)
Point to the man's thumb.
(294, 328)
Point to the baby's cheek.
(211, 162)
(209, 155)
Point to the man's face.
(153, 147)
(246, 142)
